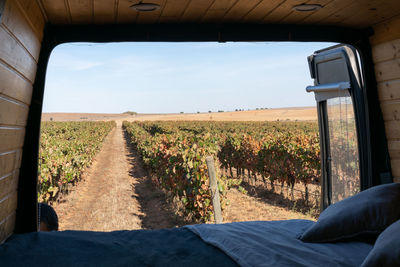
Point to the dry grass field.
(58, 116)
(292, 114)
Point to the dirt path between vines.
(115, 194)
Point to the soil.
(247, 207)
(116, 193)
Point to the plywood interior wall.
(386, 54)
(354, 13)
(21, 33)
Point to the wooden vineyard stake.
(214, 190)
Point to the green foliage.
(177, 158)
(66, 148)
(287, 152)
(175, 152)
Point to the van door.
(336, 75)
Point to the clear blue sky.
(175, 77)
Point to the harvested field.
(295, 113)
(81, 116)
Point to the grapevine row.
(66, 149)
(178, 161)
(287, 152)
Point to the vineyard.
(66, 149)
(266, 152)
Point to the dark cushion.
(360, 217)
(386, 251)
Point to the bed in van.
(356, 89)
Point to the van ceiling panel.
(356, 13)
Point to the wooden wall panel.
(386, 51)
(9, 161)
(240, 10)
(355, 13)
(386, 55)
(392, 130)
(387, 31)
(396, 167)
(352, 8)
(14, 85)
(104, 11)
(173, 10)
(218, 10)
(7, 226)
(389, 90)
(299, 17)
(153, 16)
(8, 184)
(8, 205)
(16, 23)
(263, 9)
(394, 148)
(125, 14)
(387, 70)
(329, 10)
(11, 138)
(371, 12)
(12, 112)
(391, 110)
(34, 14)
(16, 56)
(81, 11)
(57, 11)
(21, 33)
(195, 10)
(282, 11)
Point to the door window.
(343, 147)
(336, 79)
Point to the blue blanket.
(271, 243)
(167, 247)
(275, 243)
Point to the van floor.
(116, 193)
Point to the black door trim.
(375, 144)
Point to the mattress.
(276, 243)
(262, 243)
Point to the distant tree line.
(130, 113)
